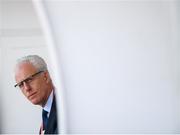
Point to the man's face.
(35, 88)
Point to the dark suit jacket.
(52, 125)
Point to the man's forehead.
(24, 70)
(25, 66)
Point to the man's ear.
(46, 76)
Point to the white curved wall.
(120, 64)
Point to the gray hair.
(35, 60)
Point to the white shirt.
(48, 104)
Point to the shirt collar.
(48, 104)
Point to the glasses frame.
(26, 80)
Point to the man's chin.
(35, 102)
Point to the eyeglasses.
(27, 80)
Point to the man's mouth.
(31, 96)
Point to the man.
(32, 77)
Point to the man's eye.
(20, 85)
(29, 79)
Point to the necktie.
(45, 119)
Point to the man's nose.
(26, 86)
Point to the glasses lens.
(27, 80)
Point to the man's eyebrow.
(29, 77)
(23, 81)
